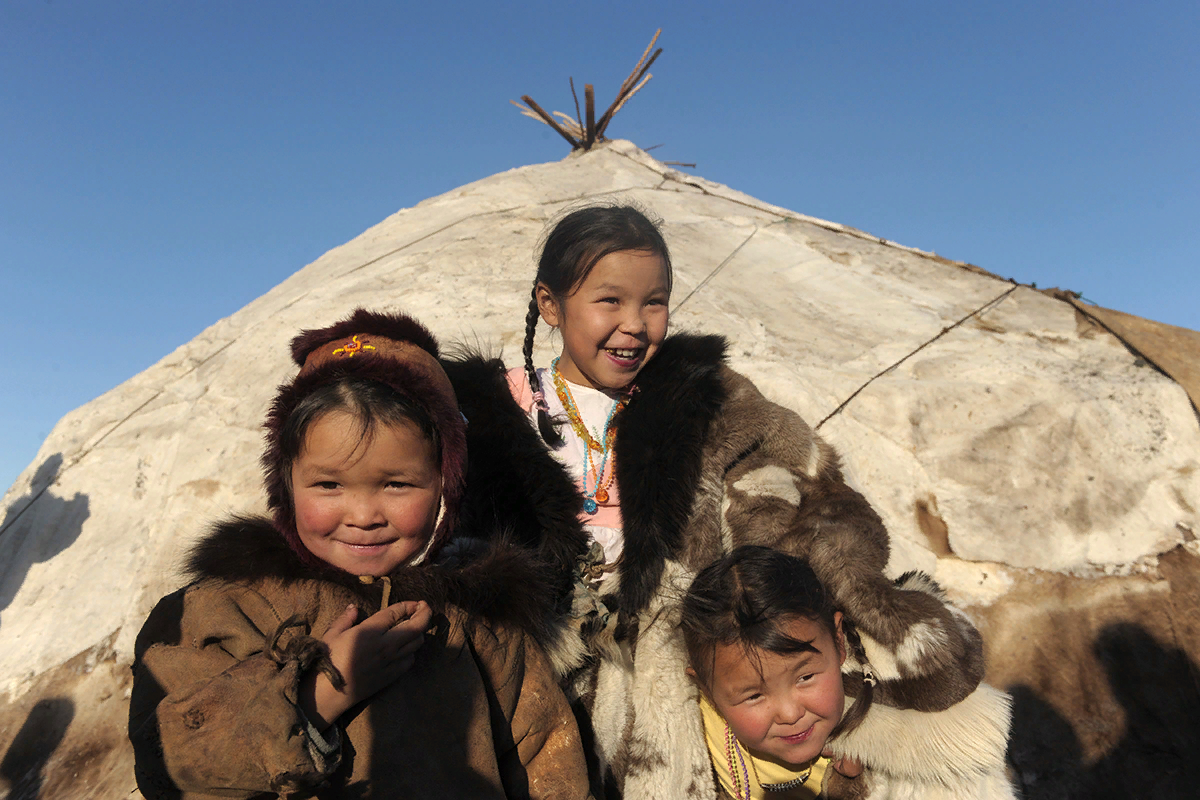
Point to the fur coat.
(705, 463)
(480, 713)
(214, 705)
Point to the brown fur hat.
(392, 349)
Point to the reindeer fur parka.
(705, 463)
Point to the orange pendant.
(601, 495)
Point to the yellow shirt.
(760, 768)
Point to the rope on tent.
(1073, 299)
(718, 268)
(581, 135)
(995, 301)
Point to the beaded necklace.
(600, 484)
(741, 779)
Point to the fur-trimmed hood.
(497, 478)
(393, 350)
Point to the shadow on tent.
(37, 527)
(42, 732)
(1156, 757)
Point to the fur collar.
(514, 484)
(659, 454)
(497, 581)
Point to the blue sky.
(164, 163)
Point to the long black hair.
(575, 244)
(746, 598)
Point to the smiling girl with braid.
(678, 460)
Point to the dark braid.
(862, 703)
(546, 427)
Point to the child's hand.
(846, 766)
(370, 655)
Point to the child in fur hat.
(327, 651)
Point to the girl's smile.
(613, 322)
(800, 737)
(366, 505)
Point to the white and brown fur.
(706, 463)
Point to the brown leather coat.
(214, 706)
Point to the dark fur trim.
(400, 327)
(247, 548)
(918, 581)
(513, 483)
(658, 453)
(504, 584)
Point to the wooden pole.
(629, 81)
(628, 95)
(578, 118)
(549, 120)
(589, 100)
(608, 115)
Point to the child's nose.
(633, 322)
(789, 709)
(364, 512)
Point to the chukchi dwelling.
(1040, 457)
